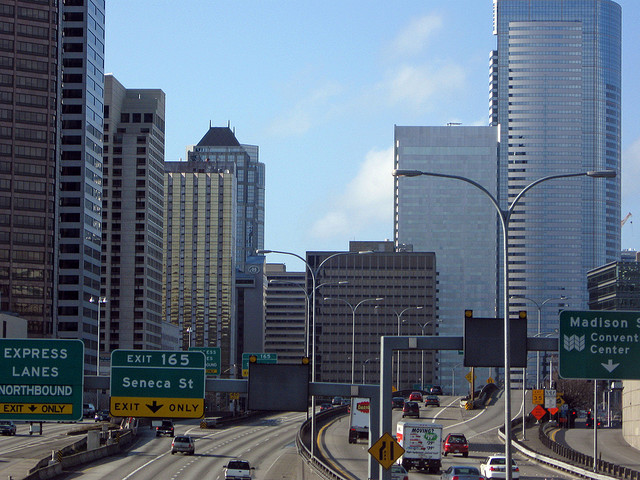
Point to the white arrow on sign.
(610, 366)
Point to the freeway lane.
(479, 426)
(267, 443)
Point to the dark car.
(432, 400)
(102, 416)
(7, 427)
(455, 443)
(411, 409)
(397, 402)
(165, 428)
(436, 390)
(325, 406)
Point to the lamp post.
(539, 306)
(314, 275)
(306, 302)
(353, 334)
(399, 316)
(363, 366)
(505, 215)
(98, 300)
(189, 330)
(422, 327)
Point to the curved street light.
(353, 335)
(314, 275)
(505, 216)
(399, 316)
(539, 306)
(364, 364)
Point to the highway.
(479, 426)
(264, 442)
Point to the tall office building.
(556, 95)
(349, 320)
(132, 218)
(220, 147)
(198, 282)
(285, 320)
(51, 94)
(80, 170)
(30, 73)
(454, 220)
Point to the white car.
(494, 467)
(238, 470)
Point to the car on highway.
(88, 410)
(7, 427)
(432, 400)
(102, 416)
(397, 402)
(238, 469)
(398, 472)
(436, 390)
(184, 444)
(325, 406)
(461, 472)
(411, 409)
(494, 467)
(337, 401)
(165, 428)
(455, 443)
(415, 397)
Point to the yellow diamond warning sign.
(156, 407)
(37, 408)
(386, 450)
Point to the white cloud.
(367, 200)
(417, 86)
(302, 116)
(415, 37)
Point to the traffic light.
(573, 414)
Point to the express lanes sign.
(157, 384)
(600, 344)
(41, 380)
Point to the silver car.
(184, 444)
(461, 472)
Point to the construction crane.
(624, 220)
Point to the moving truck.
(422, 443)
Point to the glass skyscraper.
(556, 94)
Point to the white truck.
(359, 419)
(422, 443)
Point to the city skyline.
(323, 115)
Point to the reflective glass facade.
(556, 94)
(454, 220)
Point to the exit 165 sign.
(157, 384)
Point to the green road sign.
(212, 359)
(260, 358)
(157, 384)
(41, 380)
(599, 344)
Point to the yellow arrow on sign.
(156, 407)
(469, 377)
(37, 408)
(386, 450)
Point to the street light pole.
(539, 307)
(399, 316)
(313, 275)
(422, 327)
(363, 367)
(99, 300)
(505, 215)
(353, 334)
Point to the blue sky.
(319, 86)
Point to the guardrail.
(605, 470)
(303, 443)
